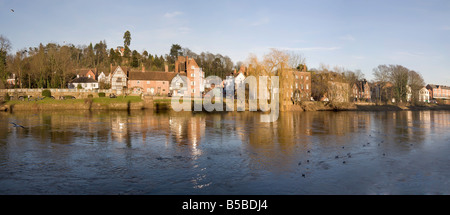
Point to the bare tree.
(416, 82)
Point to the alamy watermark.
(187, 93)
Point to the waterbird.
(12, 10)
(15, 125)
(303, 175)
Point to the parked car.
(433, 101)
(112, 95)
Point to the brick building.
(439, 91)
(153, 83)
(195, 75)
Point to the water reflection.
(226, 151)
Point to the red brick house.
(361, 91)
(153, 83)
(439, 91)
(194, 73)
(89, 73)
(300, 88)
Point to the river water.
(142, 152)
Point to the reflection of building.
(119, 127)
(188, 130)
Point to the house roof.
(153, 76)
(84, 71)
(439, 86)
(83, 80)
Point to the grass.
(119, 99)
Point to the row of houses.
(126, 80)
(296, 86)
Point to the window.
(148, 82)
(307, 87)
(307, 77)
(138, 82)
(193, 90)
(192, 75)
(296, 76)
(192, 83)
(301, 86)
(302, 77)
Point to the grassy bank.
(119, 103)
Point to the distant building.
(11, 81)
(439, 91)
(195, 75)
(239, 78)
(424, 95)
(118, 80)
(153, 83)
(86, 83)
(338, 91)
(120, 50)
(104, 78)
(361, 91)
(89, 73)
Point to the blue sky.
(353, 34)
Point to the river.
(143, 152)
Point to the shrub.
(90, 96)
(7, 97)
(46, 93)
(101, 95)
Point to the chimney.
(143, 68)
(234, 71)
(187, 63)
(166, 68)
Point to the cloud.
(347, 37)
(172, 14)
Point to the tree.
(382, 76)
(416, 83)
(5, 46)
(127, 39)
(175, 51)
(399, 76)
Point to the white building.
(424, 95)
(85, 83)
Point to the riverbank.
(47, 104)
(136, 103)
(347, 106)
